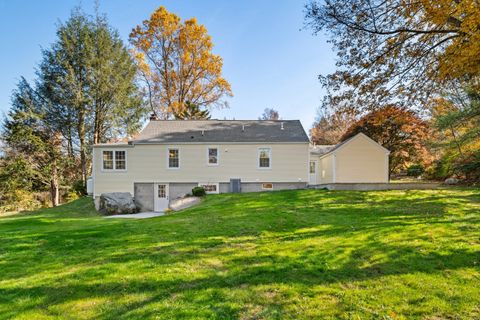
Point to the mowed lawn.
(280, 255)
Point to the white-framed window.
(267, 186)
(264, 158)
(312, 167)
(210, 188)
(173, 158)
(212, 156)
(114, 160)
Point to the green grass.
(280, 255)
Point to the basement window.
(267, 186)
(210, 188)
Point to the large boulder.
(183, 203)
(451, 181)
(117, 203)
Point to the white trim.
(361, 134)
(315, 173)
(269, 157)
(217, 184)
(93, 172)
(387, 167)
(155, 195)
(114, 151)
(269, 189)
(208, 156)
(168, 158)
(335, 149)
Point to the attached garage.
(356, 160)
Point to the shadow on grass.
(307, 224)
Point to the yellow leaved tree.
(176, 62)
(397, 51)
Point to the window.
(114, 160)
(107, 160)
(209, 187)
(312, 167)
(264, 155)
(173, 158)
(120, 160)
(162, 191)
(212, 156)
(267, 186)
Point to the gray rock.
(451, 181)
(117, 203)
(183, 203)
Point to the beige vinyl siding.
(149, 163)
(361, 161)
(325, 170)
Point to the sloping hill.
(293, 254)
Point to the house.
(358, 159)
(170, 157)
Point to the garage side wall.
(325, 169)
(361, 161)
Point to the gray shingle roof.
(211, 131)
(320, 150)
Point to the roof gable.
(346, 142)
(222, 131)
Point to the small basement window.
(267, 186)
(114, 160)
(210, 188)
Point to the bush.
(198, 192)
(19, 200)
(469, 167)
(79, 188)
(415, 170)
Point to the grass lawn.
(279, 255)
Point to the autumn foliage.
(176, 62)
(399, 130)
(397, 51)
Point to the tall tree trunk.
(54, 185)
(81, 138)
(96, 127)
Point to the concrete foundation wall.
(144, 191)
(224, 187)
(178, 190)
(257, 187)
(377, 186)
(143, 195)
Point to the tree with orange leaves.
(176, 63)
(399, 130)
(397, 51)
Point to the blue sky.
(268, 59)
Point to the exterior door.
(312, 177)
(161, 197)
